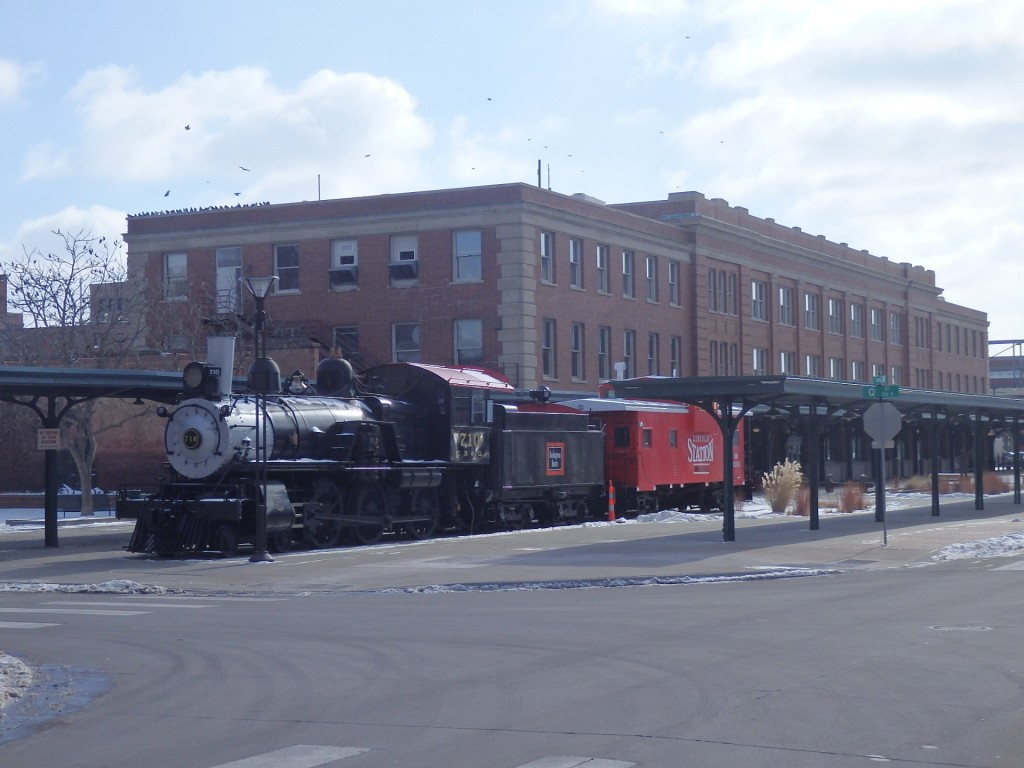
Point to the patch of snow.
(15, 678)
(113, 587)
(998, 546)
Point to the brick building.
(560, 290)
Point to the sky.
(895, 127)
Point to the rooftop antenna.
(318, 186)
(539, 184)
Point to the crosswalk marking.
(89, 612)
(576, 762)
(25, 625)
(127, 603)
(299, 756)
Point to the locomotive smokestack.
(220, 351)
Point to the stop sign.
(883, 421)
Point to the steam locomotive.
(406, 448)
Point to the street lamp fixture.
(259, 287)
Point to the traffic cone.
(611, 502)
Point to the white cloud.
(641, 9)
(14, 77)
(38, 233)
(207, 126)
(886, 125)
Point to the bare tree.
(77, 309)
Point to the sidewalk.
(94, 554)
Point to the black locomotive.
(405, 447)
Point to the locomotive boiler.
(406, 448)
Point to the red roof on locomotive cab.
(464, 376)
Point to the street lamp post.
(259, 287)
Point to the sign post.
(882, 422)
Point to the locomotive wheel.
(226, 540)
(424, 503)
(371, 501)
(321, 527)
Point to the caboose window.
(673, 438)
(622, 437)
(648, 436)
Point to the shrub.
(851, 498)
(781, 484)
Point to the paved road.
(340, 658)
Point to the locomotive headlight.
(200, 378)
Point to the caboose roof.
(613, 404)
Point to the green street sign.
(881, 392)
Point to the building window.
(604, 352)
(734, 359)
(404, 265)
(229, 275)
(547, 257)
(812, 365)
(405, 342)
(628, 265)
(547, 349)
(836, 369)
(653, 354)
(652, 278)
(786, 306)
(787, 363)
(603, 280)
(469, 341)
(876, 325)
(576, 347)
(575, 262)
(286, 267)
(857, 370)
(835, 316)
(721, 290)
(346, 340)
(175, 276)
(759, 361)
(673, 283)
(629, 353)
(676, 355)
(811, 312)
(759, 300)
(731, 300)
(878, 371)
(466, 247)
(857, 321)
(344, 264)
(896, 375)
(895, 329)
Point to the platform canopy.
(51, 392)
(815, 401)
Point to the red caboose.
(662, 455)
